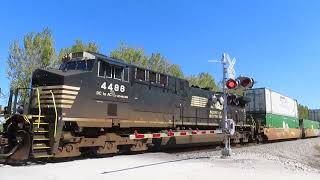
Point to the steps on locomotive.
(40, 137)
(41, 147)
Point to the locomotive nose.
(43, 77)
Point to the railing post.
(39, 106)
(56, 114)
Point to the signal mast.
(228, 125)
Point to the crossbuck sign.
(230, 62)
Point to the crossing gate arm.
(138, 136)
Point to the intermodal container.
(277, 110)
(309, 124)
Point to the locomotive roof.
(121, 62)
(118, 62)
(110, 60)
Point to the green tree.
(37, 51)
(78, 46)
(155, 62)
(303, 111)
(131, 55)
(203, 80)
(175, 70)
(159, 63)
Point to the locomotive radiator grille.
(198, 101)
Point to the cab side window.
(126, 74)
(101, 69)
(140, 74)
(106, 70)
(118, 73)
(152, 77)
(163, 79)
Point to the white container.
(264, 100)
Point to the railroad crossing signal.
(231, 84)
(246, 82)
(230, 70)
(242, 81)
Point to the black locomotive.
(99, 105)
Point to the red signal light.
(231, 84)
(246, 82)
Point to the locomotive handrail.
(26, 119)
(56, 114)
(38, 99)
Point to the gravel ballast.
(302, 154)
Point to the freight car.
(94, 104)
(309, 128)
(276, 115)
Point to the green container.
(309, 124)
(279, 121)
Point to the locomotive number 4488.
(113, 87)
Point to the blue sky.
(277, 41)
